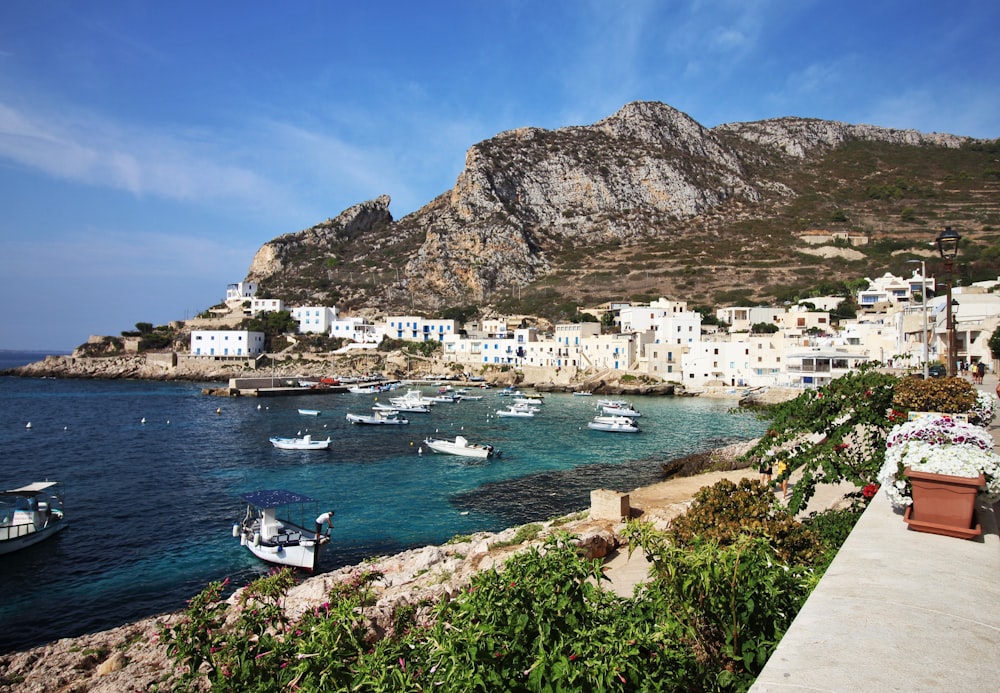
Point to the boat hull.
(23, 541)
(299, 444)
(448, 447)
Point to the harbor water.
(153, 472)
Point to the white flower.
(940, 446)
(984, 410)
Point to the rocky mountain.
(645, 202)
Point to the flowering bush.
(983, 411)
(942, 446)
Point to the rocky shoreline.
(131, 657)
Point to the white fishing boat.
(310, 412)
(377, 417)
(365, 389)
(274, 528)
(518, 410)
(611, 403)
(583, 393)
(460, 446)
(528, 399)
(30, 514)
(305, 442)
(621, 410)
(414, 398)
(613, 424)
(405, 408)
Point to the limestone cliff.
(530, 201)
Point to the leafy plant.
(835, 433)
(725, 511)
(949, 395)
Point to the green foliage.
(725, 511)
(994, 343)
(144, 327)
(732, 604)
(950, 395)
(708, 620)
(832, 527)
(763, 328)
(271, 323)
(835, 433)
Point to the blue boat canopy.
(275, 498)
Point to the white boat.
(30, 514)
(412, 398)
(527, 399)
(613, 424)
(621, 410)
(310, 412)
(582, 393)
(407, 408)
(274, 528)
(460, 446)
(305, 442)
(364, 389)
(522, 410)
(378, 416)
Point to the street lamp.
(947, 243)
(923, 301)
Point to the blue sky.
(148, 149)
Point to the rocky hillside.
(644, 203)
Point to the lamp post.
(947, 243)
(923, 301)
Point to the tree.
(994, 343)
(144, 327)
(763, 328)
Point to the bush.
(947, 395)
(726, 511)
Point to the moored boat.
(310, 412)
(378, 416)
(460, 446)
(274, 528)
(30, 514)
(305, 442)
(518, 410)
(613, 424)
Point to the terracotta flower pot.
(944, 504)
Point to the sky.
(149, 148)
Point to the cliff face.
(528, 197)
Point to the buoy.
(142, 420)
(420, 451)
(28, 425)
(258, 407)
(218, 410)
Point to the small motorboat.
(460, 446)
(613, 424)
(518, 410)
(407, 408)
(618, 407)
(583, 393)
(274, 528)
(30, 514)
(378, 416)
(305, 442)
(310, 412)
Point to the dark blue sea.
(151, 505)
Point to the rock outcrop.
(528, 198)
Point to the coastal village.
(663, 341)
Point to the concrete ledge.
(897, 610)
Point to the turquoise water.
(151, 504)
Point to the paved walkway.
(898, 610)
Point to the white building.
(226, 343)
(355, 329)
(264, 305)
(742, 318)
(314, 319)
(413, 328)
(816, 367)
(643, 318)
(240, 291)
